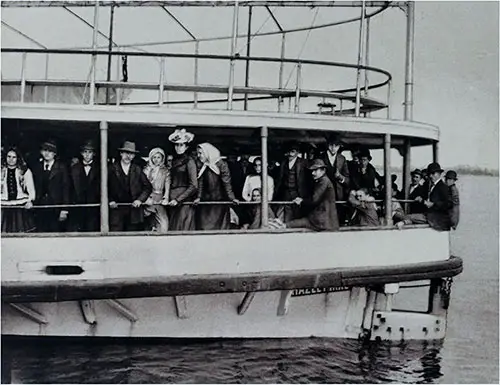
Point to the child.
(255, 212)
(451, 178)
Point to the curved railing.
(361, 103)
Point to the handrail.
(201, 203)
(208, 56)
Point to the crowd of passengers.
(203, 191)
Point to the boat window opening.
(240, 149)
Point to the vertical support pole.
(118, 78)
(280, 84)
(264, 133)
(110, 49)
(297, 87)
(406, 171)
(435, 151)
(247, 69)
(23, 77)
(360, 59)
(196, 52)
(103, 126)
(367, 55)
(232, 62)
(46, 88)
(94, 56)
(410, 35)
(388, 180)
(389, 97)
(161, 83)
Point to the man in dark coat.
(293, 182)
(367, 176)
(338, 171)
(127, 184)
(86, 189)
(321, 208)
(437, 203)
(52, 187)
(417, 193)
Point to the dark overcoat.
(303, 180)
(140, 189)
(321, 206)
(417, 207)
(438, 215)
(85, 189)
(340, 164)
(58, 187)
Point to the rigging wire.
(254, 35)
(303, 45)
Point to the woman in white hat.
(159, 176)
(183, 183)
(214, 184)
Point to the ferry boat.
(264, 283)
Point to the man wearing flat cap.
(293, 182)
(52, 187)
(437, 202)
(86, 189)
(320, 208)
(127, 184)
(417, 193)
(338, 171)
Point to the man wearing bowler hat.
(417, 193)
(338, 171)
(437, 202)
(293, 182)
(321, 208)
(52, 187)
(450, 179)
(127, 184)
(86, 189)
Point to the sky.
(456, 59)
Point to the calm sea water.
(468, 355)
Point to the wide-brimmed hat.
(181, 136)
(317, 163)
(335, 139)
(128, 147)
(417, 171)
(88, 145)
(365, 153)
(451, 175)
(434, 167)
(49, 145)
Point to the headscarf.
(151, 170)
(212, 155)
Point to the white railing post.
(264, 192)
(388, 180)
(196, 52)
(162, 79)
(23, 77)
(282, 64)
(46, 88)
(94, 56)
(232, 61)
(361, 41)
(103, 126)
(297, 88)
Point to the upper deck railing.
(95, 90)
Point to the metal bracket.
(30, 313)
(284, 302)
(122, 309)
(181, 307)
(88, 311)
(245, 303)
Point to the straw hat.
(181, 136)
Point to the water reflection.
(31, 360)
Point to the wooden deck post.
(388, 180)
(103, 126)
(435, 151)
(406, 172)
(264, 193)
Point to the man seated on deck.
(365, 213)
(127, 184)
(437, 203)
(322, 211)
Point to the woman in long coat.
(17, 190)
(159, 176)
(214, 184)
(183, 183)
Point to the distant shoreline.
(460, 170)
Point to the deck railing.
(232, 90)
